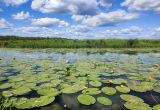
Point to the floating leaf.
(72, 89)
(104, 101)
(123, 89)
(91, 91)
(25, 103)
(86, 99)
(7, 94)
(156, 107)
(108, 90)
(21, 91)
(48, 91)
(131, 98)
(95, 83)
(6, 85)
(137, 106)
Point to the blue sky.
(81, 19)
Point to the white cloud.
(66, 6)
(156, 33)
(79, 28)
(14, 2)
(78, 17)
(139, 5)
(63, 24)
(157, 29)
(130, 32)
(27, 29)
(109, 19)
(4, 24)
(49, 22)
(21, 15)
(106, 3)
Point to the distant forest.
(32, 42)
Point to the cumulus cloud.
(106, 3)
(79, 17)
(13, 2)
(140, 5)
(157, 29)
(66, 6)
(109, 19)
(4, 24)
(79, 28)
(21, 15)
(49, 22)
(26, 29)
(130, 32)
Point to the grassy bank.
(25, 42)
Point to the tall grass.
(25, 42)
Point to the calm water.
(38, 62)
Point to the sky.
(81, 19)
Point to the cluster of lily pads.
(88, 77)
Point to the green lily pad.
(119, 81)
(86, 99)
(131, 98)
(25, 103)
(95, 83)
(21, 91)
(142, 87)
(104, 101)
(157, 89)
(6, 85)
(123, 89)
(7, 94)
(108, 90)
(72, 89)
(48, 91)
(91, 91)
(137, 106)
(156, 107)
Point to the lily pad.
(21, 91)
(72, 89)
(142, 87)
(131, 98)
(123, 89)
(7, 93)
(137, 106)
(48, 91)
(25, 103)
(108, 90)
(104, 101)
(91, 91)
(6, 85)
(95, 83)
(86, 99)
(156, 107)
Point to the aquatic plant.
(123, 89)
(86, 99)
(156, 107)
(104, 101)
(95, 83)
(131, 98)
(108, 90)
(91, 91)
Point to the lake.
(48, 80)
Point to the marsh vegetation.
(26, 42)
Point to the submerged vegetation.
(79, 81)
(31, 42)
